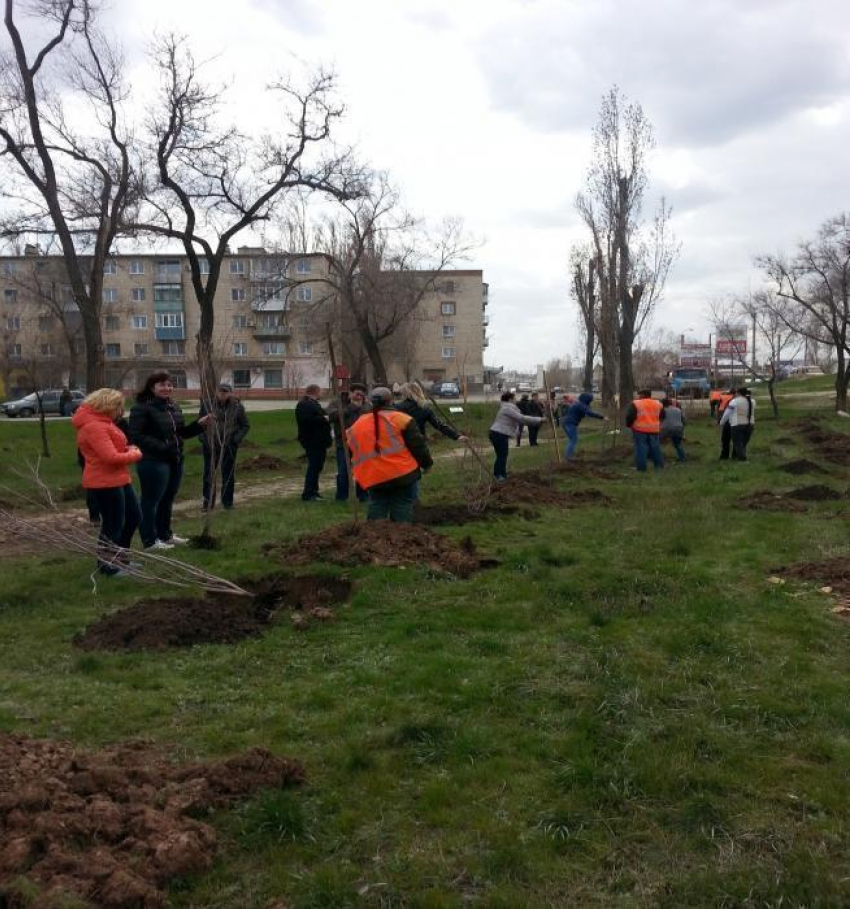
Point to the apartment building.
(270, 323)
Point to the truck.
(691, 382)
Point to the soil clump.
(456, 515)
(262, 462)
(801, 466)
(532, 487)
(815, 493)
(113, 827)
(833, 572)
(833, 446)
(393, 545)
(765, 500)
(215, 618)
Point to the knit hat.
(381, 394)
(225, 386)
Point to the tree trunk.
(627, 378)
(771, 390)
(842, 379)
(42, 425)
(95, 373)
(373, 352)
(589, 346)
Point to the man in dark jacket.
(314, 434)
(220, 443)
(534, 408)
(354, 405)
(573, 415)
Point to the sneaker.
(175, 540)
(160, 544)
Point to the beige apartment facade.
(270, 332)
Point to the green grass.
(623, 713)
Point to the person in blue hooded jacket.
(576, 412)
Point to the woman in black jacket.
(415, 404)
(157, 427)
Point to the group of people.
(152, 439)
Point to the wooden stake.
(552, 419)
(352, 485)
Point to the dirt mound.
(215, 619)
(833, 572)
(113, 827)
(765, 500)
(262, 462)
(534, 488)
(383, 543)
(801, 466)
(833, 446)
(816, 493)
(460, 514)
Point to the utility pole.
(753, 352)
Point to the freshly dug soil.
(382, 543)
(456, 515)
(765, 500)
(816, 493)
(833, 572)
(832, 446)
(536, 488)
(801, 466)
(215, 619)
(262, 462)
(113, 827)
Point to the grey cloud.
(703, 72)
(302, 16)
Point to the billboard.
(695, 354)
(731, 347)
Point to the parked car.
(28, 405)
(446, 390)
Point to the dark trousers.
(159, 482)
(223, 460)
(647, 444)
(93, 507)
(395, 504)
(532, 434)
(342, 487)
(714, 405)
(740, 439)
(502, 446)
(315, 462)
(725, 441)
(119, 516)
(519, 433)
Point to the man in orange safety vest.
(643, 417)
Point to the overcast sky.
(483, 109)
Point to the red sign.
(342, 373)
(735, 347)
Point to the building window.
(273, 378)
(13, 323)
(45, 323)
(448, 353)
(241, 378)
(274, 349)
(168, 293)
(240, 349)
(237, 267)
(140, 322)
(204, 266)
(10, 296)
(305, 348)
(178, 378)
(15, 351)
(448, 308)
(113, 351)
(137, 267)
(174, 348)
(138, 294)
(237, 294)
(10, 268)
(110, 267)
(240, 321)
(268, 292)
(168, 320)
(140, 350)
(168, 270)
(304, 294)
(448, 331)
(110, 295)
(449, 287)
(269, 320)
(47, 350)
(112, 323)
(303, 267)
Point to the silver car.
(28, 405)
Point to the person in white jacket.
(508, 420)
(740, 414)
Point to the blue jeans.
(646, 443)
(572, 439)
(502, 446)
(119, 516)
(342, 489)
(395, 504)
(159, 482)
(316, 456)
(677, 446)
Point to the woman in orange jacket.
(107, 476)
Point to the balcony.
(167, 297)
(272, 332)
(485, 341)
(270, 304)
(170, 334)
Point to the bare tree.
(211, 181)
(632, 263)
(381, 264)
(583, 265)
(73, 186)
(812, 293)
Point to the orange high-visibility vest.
(724, 400)
(648, 415)
(392, 459)
(715, 394)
